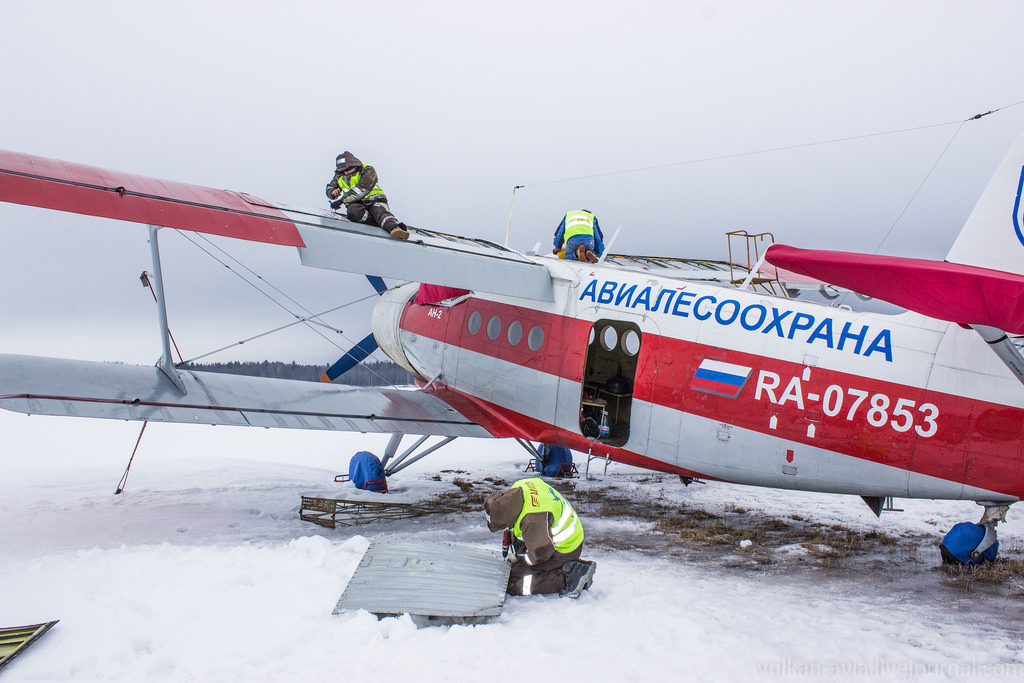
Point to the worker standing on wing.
(354, 185)
(581, 235)
(546, 537)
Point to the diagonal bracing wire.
(311, 319)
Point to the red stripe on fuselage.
(449, 325)
(973, 442)
(504, 423)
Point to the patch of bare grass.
(999, 571)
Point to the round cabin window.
(515, 332)
(474, 322)
(493, 327)
(536, 338)
(631, 342)
(609, 338)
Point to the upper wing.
(50, 386)
(324, 239)
(54, 184)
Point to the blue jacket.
(598, 237)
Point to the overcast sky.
(457, 103)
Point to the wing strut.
(1003, 346)
(166, 362)
(403, 461)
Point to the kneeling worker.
(546, 537)
(580, 234)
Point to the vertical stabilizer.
(993, 236)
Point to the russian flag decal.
(716, 377)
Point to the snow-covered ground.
(202, 571)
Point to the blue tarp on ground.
(553, 458)
(366, 472)
(961, 541)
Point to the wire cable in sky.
(768, 150)
(925, 180)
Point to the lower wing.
(50, 386)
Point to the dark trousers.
(546, 577)
(379, 213)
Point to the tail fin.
(993, 236)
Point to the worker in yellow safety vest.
(546, 538)
(355, 187)
(580, 234)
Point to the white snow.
(202, 571)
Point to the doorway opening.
(609, 373)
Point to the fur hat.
(347, 160)
(503, 507)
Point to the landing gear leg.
(972, 544)
(994, 513)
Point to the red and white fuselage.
(731, 384)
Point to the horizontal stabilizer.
(53, 386)
(962, 294)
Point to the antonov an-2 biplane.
(660, 364)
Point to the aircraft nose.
(387, 318)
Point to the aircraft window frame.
(535, 340)
(630, 342)
(606, 331)
(514, 335)
(474, 322)
(494, 327)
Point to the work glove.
(352, 195)
(336, 204)
(505, 543)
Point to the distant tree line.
(366, 374)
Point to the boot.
(581, 253)
(579, 576)
(399, 232)
(591, 256)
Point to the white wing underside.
(50, 386)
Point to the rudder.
(993, 236)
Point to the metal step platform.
(335, 512)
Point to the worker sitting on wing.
(354, 185)
(546, 537)
(581, 236)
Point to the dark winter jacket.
(503, 509)
(360, 191)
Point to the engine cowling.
(387, 317)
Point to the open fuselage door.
(609, 375)
(613, 409)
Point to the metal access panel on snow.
(427, 579)
(14, 640)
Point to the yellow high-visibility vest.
(539, 496)
(578, 223)
(353, 181)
